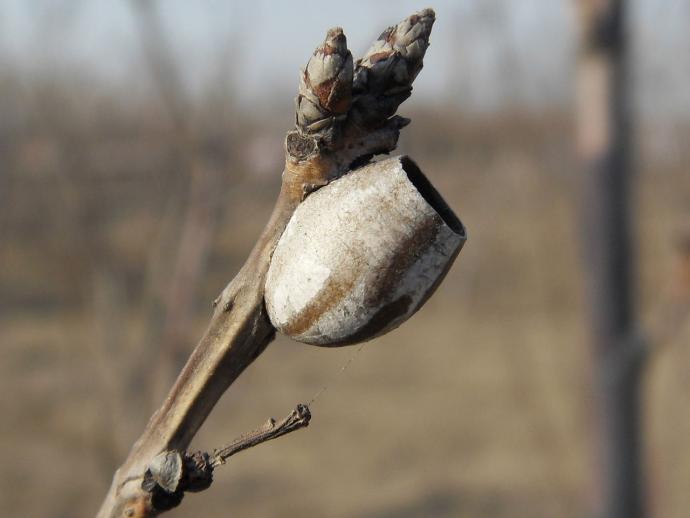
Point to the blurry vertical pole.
(604, 144)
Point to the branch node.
(172, 473)
(301, 147)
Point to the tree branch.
(338, 125)
(298, 418)
(172, 473)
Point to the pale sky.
(485, 53)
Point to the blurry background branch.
(671, 313)
(197, 157)
(178, 258)
(619, 352)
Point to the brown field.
(478, 406)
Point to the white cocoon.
(361, 255)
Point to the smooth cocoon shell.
(361, 255)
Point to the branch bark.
(340, 123)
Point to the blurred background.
(141, 145)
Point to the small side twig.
(298, 418)
(172, 473)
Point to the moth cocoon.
(361, 255)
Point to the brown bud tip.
(325, 87)
(405, 42)
(335, 41)
(411, 36)
(383, 77)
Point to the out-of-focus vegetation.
(122, 216)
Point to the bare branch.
(325, 89)
(172, 473)
(298, 418)
(384, 76)
(332, 134)
(382, 81)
